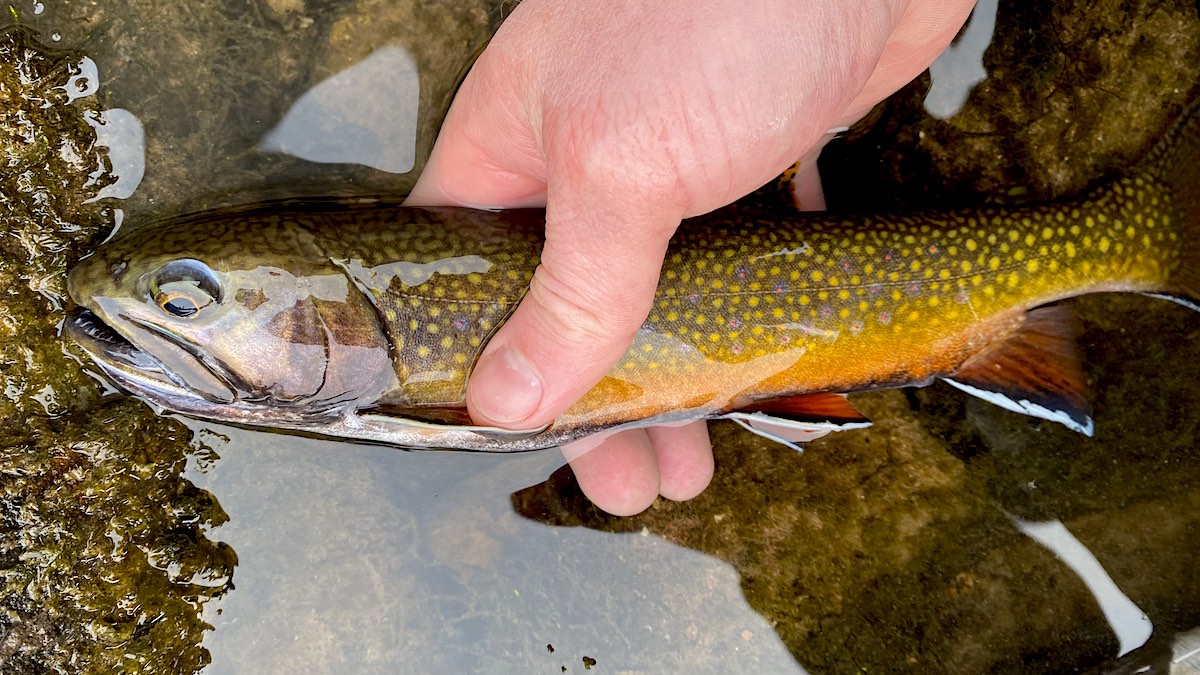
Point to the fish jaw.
(141, 373)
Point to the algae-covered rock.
(103, 563)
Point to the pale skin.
(623, 118)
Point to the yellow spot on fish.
(1013, 279)
(1030, 240)
(934, 301)
(422, 351)
(1047, 233)
(1032, 265)
(1104, 244)
(447, 342)
(817, 275)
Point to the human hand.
(622, 119)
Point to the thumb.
(587, 299)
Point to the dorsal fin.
(798, 419)
(1035, 371)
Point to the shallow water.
(949, 537)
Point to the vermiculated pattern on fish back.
(881, 290)
(441, 284)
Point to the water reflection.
(366, 114)
(361, 559)
(956, 72)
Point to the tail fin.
(1175, 163)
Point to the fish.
(362, 319)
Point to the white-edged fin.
(1177, 299)
(788, 432)
(495, 433)
(1083, 426)
(1035, 371)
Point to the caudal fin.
(1175, 163)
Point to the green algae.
(103, 563)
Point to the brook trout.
(356, 320)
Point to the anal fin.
(1035, 371)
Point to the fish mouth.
(143, 374)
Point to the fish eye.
(184, 287)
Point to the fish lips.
(142, 373)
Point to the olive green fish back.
(441, 284)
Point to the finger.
(685, 459)
(594, 288)
(806, 184)
(485, 154)
(619, 476)
(923, 32)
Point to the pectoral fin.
(1036, 371)
(436, 417)
(798, 419)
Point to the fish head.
(225, 327)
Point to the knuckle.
(578, 318)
